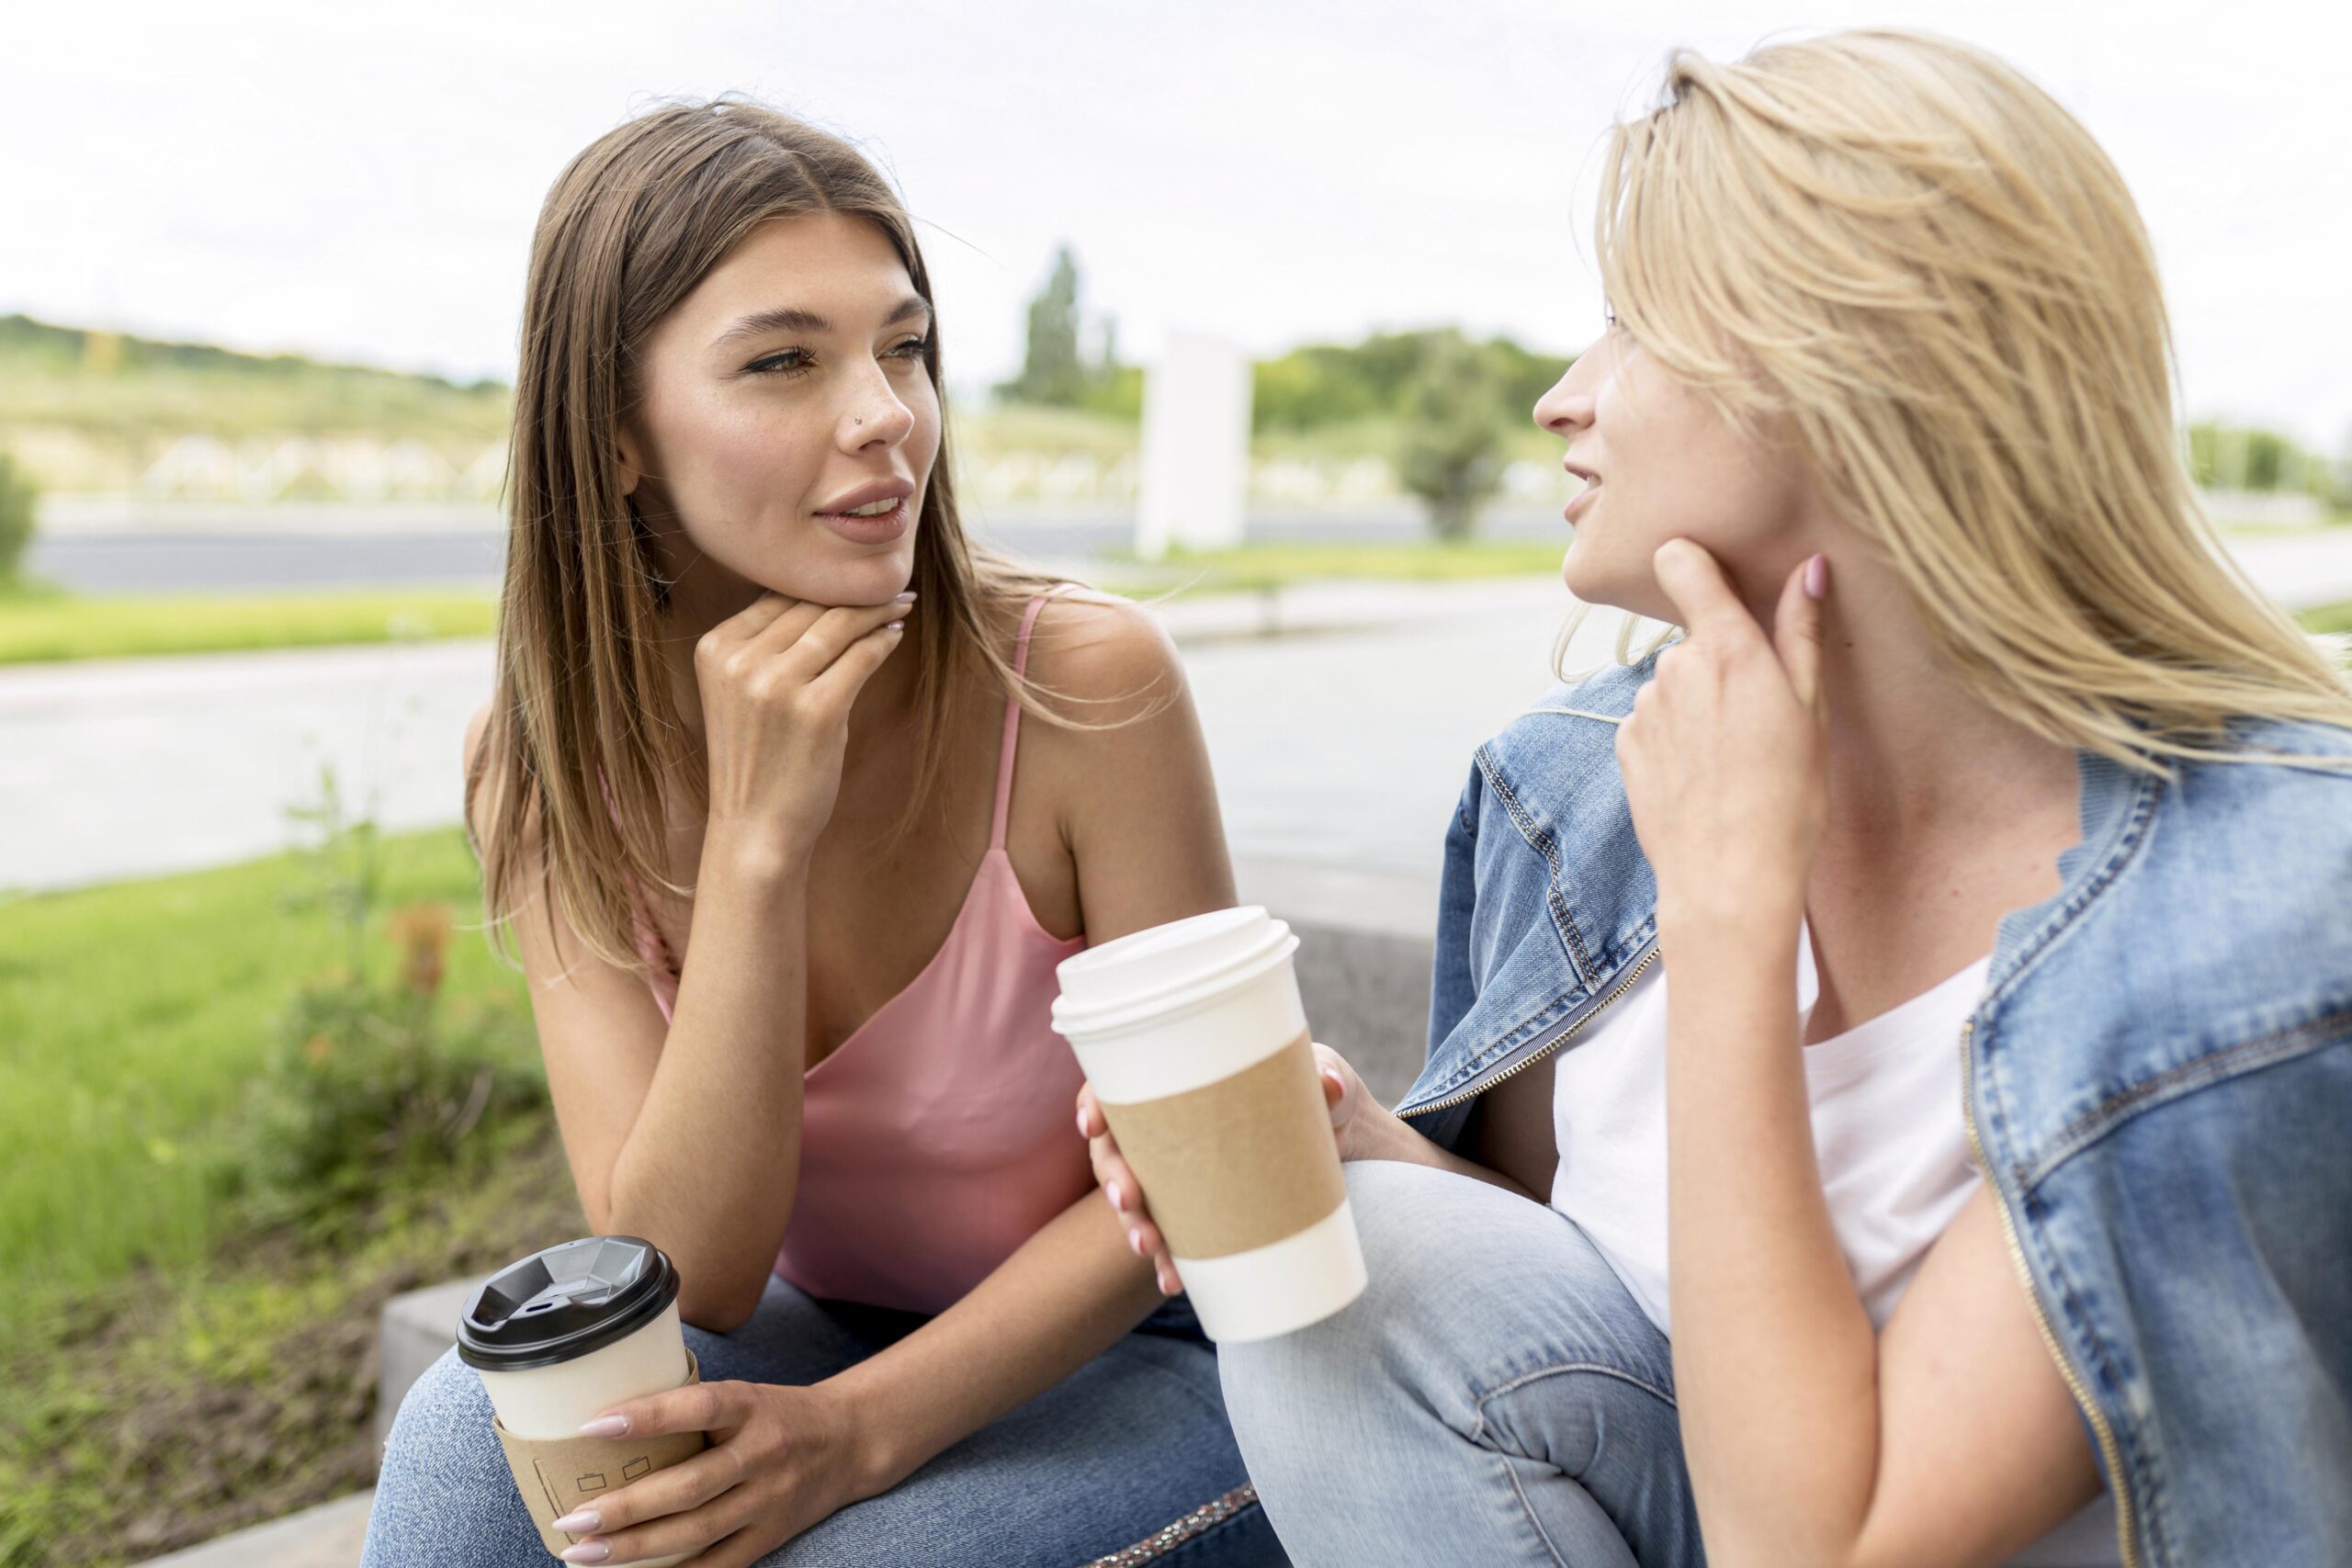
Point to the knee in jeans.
(1285, 1379)
(1408, 1217)
(446, 1405)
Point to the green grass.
(44, 625)
(178, 1403)
(1253, 567)
(2335, 619)
(2336, 519)
(131, 1017)
(38, 625)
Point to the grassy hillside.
(114, 385)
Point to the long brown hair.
(584, 744)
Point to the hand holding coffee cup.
(1196, 1051)
(558, 1338)
(621, 1452)
(1344, 1093)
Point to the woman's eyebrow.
(792, 319)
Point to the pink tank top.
(940, 1134)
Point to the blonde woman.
(789, 874)
(1996, 839)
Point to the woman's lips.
(1579, 501)
(882, 530)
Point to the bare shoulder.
(480, 787)
(1107, 656)
(1126, 779)
(475, 728)
(470, 771)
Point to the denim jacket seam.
(2129, 837)
(2226, 1064)
(1542, 842)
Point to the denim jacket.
(2158, 1084)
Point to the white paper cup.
(1193, 1038)
(564, 1335)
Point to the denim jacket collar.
(1553, 776)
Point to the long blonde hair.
(584, 743)
(1901, 250)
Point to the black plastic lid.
(558, 1304)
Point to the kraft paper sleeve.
(559, 1474)
(1236, 1164)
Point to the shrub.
(1451, 452)
(377, 1087)
(18, 496)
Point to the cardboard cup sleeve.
(1238, 1164)
(559, 1474)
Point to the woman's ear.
(632, 460)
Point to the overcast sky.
(359, 183)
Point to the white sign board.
(1195, 464)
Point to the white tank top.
(1888, 1133)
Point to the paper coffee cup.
(562, 1336)
(1193, 1038)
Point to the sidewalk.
(1339, 715)
(1349, 742)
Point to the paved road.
(1346, 743)
(275, 548)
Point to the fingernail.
(1816, 576)
(1118, 1198)
(908, 597)
(587, 1521)
(1081, 1126)
(606, 1426)
(587, 1551)
(1135, 1240)
(898, 626)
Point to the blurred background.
(259, 286)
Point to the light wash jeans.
(1130, 1443)
(1495, 1397)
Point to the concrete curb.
(328, 1536)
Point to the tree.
(1451, 451)
(1327, 384)
(17, 498)
(1053, 371)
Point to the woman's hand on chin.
(777, 683)
(1724, 755)
(1355, 1121)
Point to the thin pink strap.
(1013, 720)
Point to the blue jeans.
(1495, 1397)
(1127, 1445)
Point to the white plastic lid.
(1167, 967)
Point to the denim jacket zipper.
(1544, 1047)
(2111, 1453)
